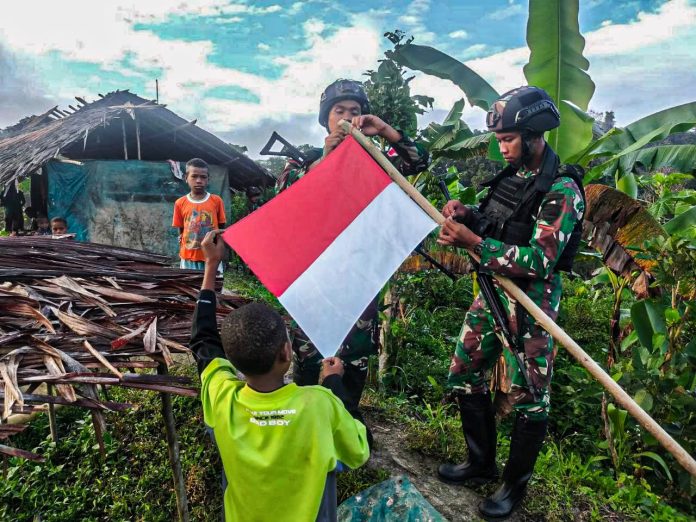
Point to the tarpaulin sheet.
(123, 203)
(394, 500)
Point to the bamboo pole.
(619, 394)
(173, 450)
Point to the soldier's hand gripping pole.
(500, 316)
(622, 398)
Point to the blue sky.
(245, 68)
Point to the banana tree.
(556, 65)
(622, 150)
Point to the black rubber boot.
(478, 425)
(527, 439)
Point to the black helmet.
(338, 91)
(523, 109)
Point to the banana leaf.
(616, 225)
(684, 223)
(628, 146)
(557, 65)
(422, 58)
(679, 157)
(679, 118)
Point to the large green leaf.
(474, 142)
(683, 223)
(628, 185)
(466, 147)
(648, 319)
(623, 162)
(452, 138)
(679, 157)
(556, 64)
(431, 61)
(669, 121)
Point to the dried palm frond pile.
(75, 317)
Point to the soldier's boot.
(478, 425)
(527, 439)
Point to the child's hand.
(213, 247)
(332, 366)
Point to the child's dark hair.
(196, 162)
(59, 220)
(252, 336)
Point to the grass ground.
(134, 481)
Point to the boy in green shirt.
(279, 443)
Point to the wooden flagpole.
(623, 398)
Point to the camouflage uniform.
(409, 157)
(532, 268)
(361, 342)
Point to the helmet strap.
(527, 148)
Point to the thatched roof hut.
(120, 125)
(113, 168)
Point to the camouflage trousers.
(480, 349)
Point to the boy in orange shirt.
(196, 214)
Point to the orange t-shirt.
(197, 218)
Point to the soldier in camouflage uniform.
(527, 229)
(346, 100)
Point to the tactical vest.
(511, 206)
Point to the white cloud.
(459, 35)
(475, 49)
(623, 55)
(305, 75)
(313, 27)
(228, 20)
(672, 18)
(511, 10)
(295, 8)
(413, 21)
(263, 47)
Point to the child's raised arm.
(205, 339)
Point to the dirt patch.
(391, 452)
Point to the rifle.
(287, 150)
(485, 282)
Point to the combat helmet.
(338, 91)
(524, 109)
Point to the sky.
(245, 68)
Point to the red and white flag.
(327, 245)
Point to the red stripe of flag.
(282, 239)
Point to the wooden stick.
(173, 449)
(102, 359)
(622, 398)
(52, 424)
(125, 145)
(137, 133)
